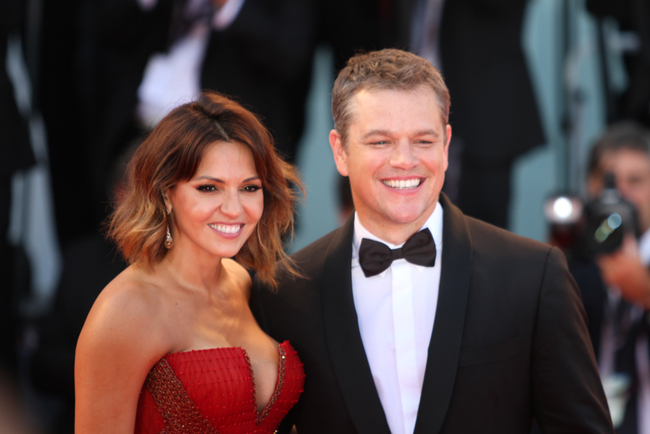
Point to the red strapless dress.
(213, 391)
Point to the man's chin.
(406, 213)
(405, 219)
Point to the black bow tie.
(375, 257)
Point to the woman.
(170, 344)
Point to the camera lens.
(607, 233)
(607, 227)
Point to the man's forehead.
(380, 92)
(624, 162)
(615, 156)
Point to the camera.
(595, 228)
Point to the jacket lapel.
(344, 339)
(444, 348)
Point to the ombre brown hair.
(172, 153)
(390, 69)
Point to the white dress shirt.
(396, 310)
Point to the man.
(616, 286)
(485, 336)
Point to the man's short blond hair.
(390, 69)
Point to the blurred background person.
(615, 285)
(17, 155)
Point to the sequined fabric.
(213, 391)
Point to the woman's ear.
(168, 203)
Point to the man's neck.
(395, 235)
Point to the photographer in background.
(615, 286)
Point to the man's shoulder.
(314, 254)
(483, 236)
(498, 242)
(310, 263)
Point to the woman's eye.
(206, 188)
(252, 188)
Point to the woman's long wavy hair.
(172, 153)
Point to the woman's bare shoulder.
(134, 293)
(127, 314)
(122, 339)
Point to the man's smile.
(403, 184)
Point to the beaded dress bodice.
(213, 391)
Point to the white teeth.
(226, 229)
(403, 184)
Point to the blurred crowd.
(607, 243)
(103, 72)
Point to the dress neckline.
(281, 353)
(174, 353)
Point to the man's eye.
(206, 188)
(252, 188)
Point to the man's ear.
(448, 137)
(338, 150)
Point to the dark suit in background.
(57, 98)
(16, 155)
(509, 341)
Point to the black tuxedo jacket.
(509, 341)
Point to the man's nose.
(403, 156)
(623, 189)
